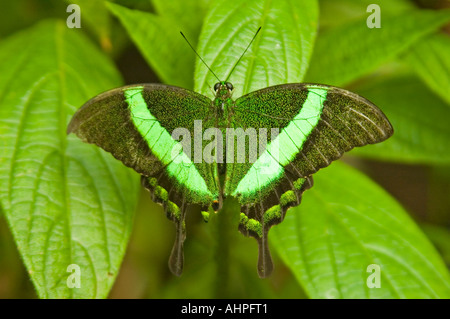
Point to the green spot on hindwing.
(272, 214)
(250, 225)
(152, 182)
(173, 209)
(288, 199)
(243, 219)
(160, 194)
(299, 183)
(254, 226)
(205, 216)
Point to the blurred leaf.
(279, 54)
(96, 15)
(419, 118)
(430, 58)
(440, 237)
(159, 40)
(19, 14)
(334, 13)
(221, 263)
(66, 202)
(186, 15)
(438, 201)
(14, 280)
(346, 223)
(345, 53)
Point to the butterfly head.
(223, 90)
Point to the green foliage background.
(64, 202)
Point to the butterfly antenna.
(199, 56)
(248, 46)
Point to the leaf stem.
(225, 224)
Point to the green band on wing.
(292, 137)
(281, 151)
(161, 143)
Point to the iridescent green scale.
(298, 129)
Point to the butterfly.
(261, 148)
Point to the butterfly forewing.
(316, 124)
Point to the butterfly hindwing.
(135, 124)
(316, 125)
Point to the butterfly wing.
(135, 124)
(316, 125)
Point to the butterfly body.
(261, 148)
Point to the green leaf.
(430, 58)
(98, 18)
(66, 202)
(19, 14)
(438, 201)
(440, 237)
(279, 54)
(346, 223)
(334, 13)
(419, 118)
(186, 15)
(345, 53)
(159, 40)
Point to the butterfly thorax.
(223, 100)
